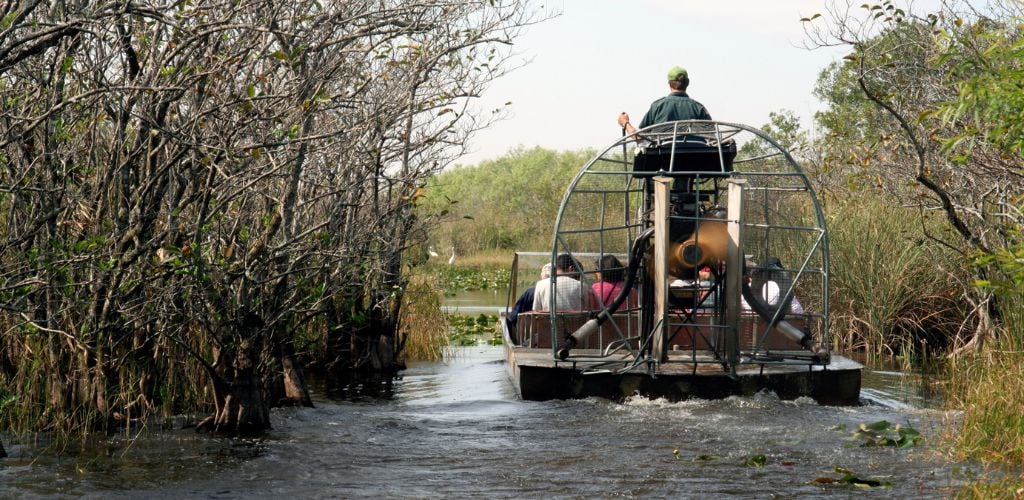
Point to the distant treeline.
(506, 203)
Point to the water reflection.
(355, 386)
(898, 386)
(477, 301)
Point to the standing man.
(675, 106)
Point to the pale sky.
(601, 57)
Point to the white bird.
(430, 250)
(451, 260)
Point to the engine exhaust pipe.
(768, 314)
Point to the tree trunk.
(240, 408)
(380, 346)
(294, 383)
(339, 339)
(3, 454)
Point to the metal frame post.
(734, 272)
(662, 186)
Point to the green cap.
(677, 73)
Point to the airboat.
(723, 284)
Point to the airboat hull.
(538, 377)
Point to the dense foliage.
(198, 196)
(914, 112)
(928, 108)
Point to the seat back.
(533, 329)
(687, 154)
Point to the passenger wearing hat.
(675, 106)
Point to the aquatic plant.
(890, 293)
(851, 478)
(474, 330)
(455, 279)
(699, 458)
(756, 460)
(985, 488)
(883, 433)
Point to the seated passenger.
(610, 282)
(525, 301)
(705, 281)
(570, 293)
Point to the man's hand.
(623, 119)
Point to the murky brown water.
(457, 429)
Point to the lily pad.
(884, 433)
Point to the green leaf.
(880, 425)
(757, 460)
(250, 90)
(8, 20)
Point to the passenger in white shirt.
(571, 294)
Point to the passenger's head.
(610, 268)
(773, 270)
(749, 268)
(678, 79)
(564, 263)
(545, 271)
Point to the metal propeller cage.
(608, 205)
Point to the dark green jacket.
(675, 106)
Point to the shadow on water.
(456, 429)
(355, 386)
(889, 383)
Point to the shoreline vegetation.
(200, 207)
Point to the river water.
(456, 429)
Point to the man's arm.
(627, 127)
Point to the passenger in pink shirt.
(610, 281)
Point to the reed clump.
(424, 326)
(988, 385)
(892, 294)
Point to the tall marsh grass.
(989, 387)
(424, 327)
(892, 292)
